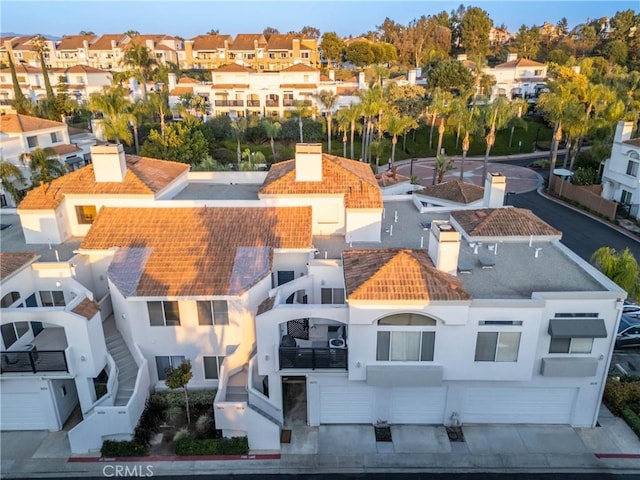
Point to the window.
(571, 345)
(11, 332)
(86, 214)
(407, 319)
(500, 322)
(32, 142)
(212, 367)
(632, 168)
(497, 346)
(162, 363)
(9, 299)
(55, 137)
(304, 55)
(214, 312)
(405, 346)
(332, 296)
(164, 314)
(625, 197)
(53, 298)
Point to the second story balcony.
(33, 360)
(313, 358)
(229, 103)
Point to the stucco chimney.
(308, 162)
(172, 81)
(332, 75)
(511, 57)
(444, 246)
(623, 131)
(109, 164)
(495, 186)
(362, 84)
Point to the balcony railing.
(34, 361)
(312, 358)
(272, 103)
(229, 103)
(253, 103)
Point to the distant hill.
(14, 34)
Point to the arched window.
(414, 319)
(9, 299)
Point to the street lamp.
(536, 142)
(411, 168)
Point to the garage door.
(346, 404)
(22, 411)
(518, 405)
(417, 405)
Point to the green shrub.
(632, 419)
(180, 434)
(209, 446)
(175, 414)
(170, 398)
(223, 155)
(149, 423)
(112, 448)
(205, 426)
(620, 394)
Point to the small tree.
(621, 267)
(179, 378)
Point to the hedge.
(170, 398)
(209, 446)
(113, 448)
(632, 419)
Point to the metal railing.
(253, 103)
(312, 358)
(34, 361)
(229, 103)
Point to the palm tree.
(343, 128)
(372, 104)
(496, 116)
(239, 126)
(272, 129)
(114, 105)
(443, 165)
(137, 110)
(138, 57)
(10, 173)
(469, 124)
(519, 106)
(351, 115)
(328, 100)
(621, 267)
(300, 111)
(43, 164)
(395, 126)
(437, 106)
(159, 104)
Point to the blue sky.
(346, 17)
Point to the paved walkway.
(611, 447)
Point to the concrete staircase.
(127, 368)
(237, 387)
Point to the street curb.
(619, 229)
(174, 458)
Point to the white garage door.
(22, 411)
(346, 404)
(417, 405)
(518, 405)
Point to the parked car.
(628, 331)
(630, 308)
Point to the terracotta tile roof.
(16, 123)
(73, 42)
(300, 67)
(178, 91)
(223, 86)
(87, 309)
(299, 85)
(398, 275)
(634, 141)
(325, 78)
(279, 41)
(23, 43)
(195, 251)
(233, 67)
(145, 176)
(339, 175)
(22, 68)
(245, 41)
(104, 42)
(187, 80)
(520, 62)
(12, 262)
(502, 222)
(210, 42)
(65, 149)
(346, 90)
(84, 69)
(454, 191)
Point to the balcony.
(229, 103)
(313, 358)
(272, 103)
(34, 361)
(253, 103)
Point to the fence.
(584, 196)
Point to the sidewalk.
(611, 447)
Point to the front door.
(294, 400)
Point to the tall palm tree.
(438, 105)
(469, 124)
(137, 111)
(519, 107)
(351, 115)
(300, 111)
(159, 104)
(395, 126)
(328, 99)
(496, 116)
(272, 129)
(343, 128)
(9, 174)
(114, 106)
(43, 165)
(138, 57)
(239, 126)
(40, 46)
(372, 104)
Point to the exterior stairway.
(127, 368)
(237, 387)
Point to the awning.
(577, 328)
